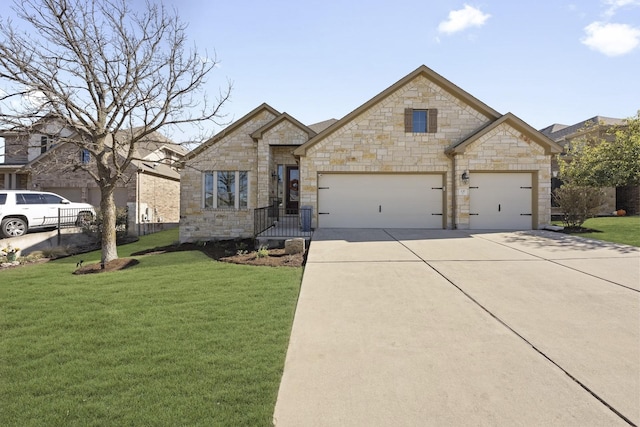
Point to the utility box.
(305, 217)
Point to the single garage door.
(500, 201)
(380, 200)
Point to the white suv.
(23, 210)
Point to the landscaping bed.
(237, 252)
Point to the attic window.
(421, 120)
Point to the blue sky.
(545, 61)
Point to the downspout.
(454, 205)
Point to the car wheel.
(13, 227)
(84, 219)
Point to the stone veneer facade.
(372, 139)
(504, 149)
(236, 151)
(254, 146)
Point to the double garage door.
(498, 201)
(380, 200)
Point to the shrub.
(122, 224)
(263, 252)
(578, 203)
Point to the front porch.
(278, 223)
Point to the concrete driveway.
(440, 327)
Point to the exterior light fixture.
(465, 176)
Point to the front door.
(293, 190)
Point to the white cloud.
(462, 19)
(614, 5)
(611, 39)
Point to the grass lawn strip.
(623, 229)
(177, 340)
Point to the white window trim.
(215, 190)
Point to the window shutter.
(408, 120)
(432, 127)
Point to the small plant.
(242, 252)
(11, 253)
(263, 252)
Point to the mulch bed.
(115, 265)
(232, 251)
(578, 230)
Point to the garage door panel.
(380, 200)
(500, 201)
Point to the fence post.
(59, 226)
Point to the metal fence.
(74, 217)
(275, 221)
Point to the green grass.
(617, 229)
(178, 339)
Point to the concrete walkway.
(441, 327)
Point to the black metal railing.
(276, 221)
(74, 217)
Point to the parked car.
(23, 210)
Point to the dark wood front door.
(293, 190)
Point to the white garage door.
(500, 201)
(380, 201)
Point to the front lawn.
(618, 229)
(178, 339)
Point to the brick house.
(423, 153)
(594, 129)
(149, 189)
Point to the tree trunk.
(108, 208)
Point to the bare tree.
(101, 67)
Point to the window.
(421, 121)
(44, 141)
(3, 199)
(51, 199)
(28, 199)
(226, 189)
(85, 156)
(419, 124)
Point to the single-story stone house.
(423, 153)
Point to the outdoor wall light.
(465, 176)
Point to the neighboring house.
(421, 154)
(149, 190)
(594, 129)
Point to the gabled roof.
(229, 129)
(281, 118)
(558, 134)
(550, 147)
(153, 142)
(158, 169)
(424, 71)
(553, 128)
(320, 126)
